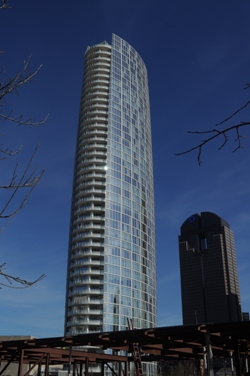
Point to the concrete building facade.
(209, 275)
(111, 274)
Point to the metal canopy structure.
(165, 343)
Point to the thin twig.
(235, 113)
(28, 183)
(23, 283)
(4, 4)
(11, 85)
(216, 133)
(19, 120)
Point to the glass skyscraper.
(209, 275)
(111, 273)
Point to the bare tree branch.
(29, 178)
(19, 120)
(16, 282)
(9, 152)
(24, 181)
(235, 113)
(223, 132)
(216, 133)
(11, 86)
(4, 4)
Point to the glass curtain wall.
(129, 260)
(111, 261)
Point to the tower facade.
(209, 276)
(111, 274)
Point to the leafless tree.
(216, 133)
(28, 179)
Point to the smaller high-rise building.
(245, 316)
(209, 275)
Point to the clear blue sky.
(198, 59)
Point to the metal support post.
(47, 366)
(87, 367)
(237, 357)
(20, 365)
(69, 363)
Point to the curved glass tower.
(111, 272)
